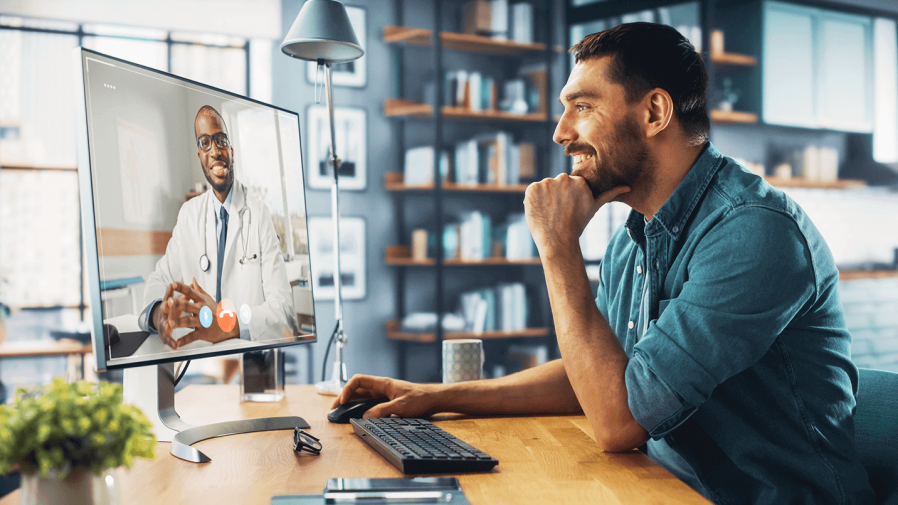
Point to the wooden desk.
(542, 460)
(42, 348)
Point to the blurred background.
(804, 93)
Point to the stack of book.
(476, 92)
(494, 159)
(495, 18)
(502, 308)
(474, 238)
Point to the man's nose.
(564, 132)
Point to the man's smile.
(580, 159)
(219, 170)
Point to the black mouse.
(353, 410)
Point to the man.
(224, 239)
(716, 337)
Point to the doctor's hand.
(558, 210)
(160, 319)
(184, 312)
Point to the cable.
(183, 371)
(327, 351)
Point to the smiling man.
(224, 240)
(715, 340)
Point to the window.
(40, 250)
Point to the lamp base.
(334, 386)
(329, 388)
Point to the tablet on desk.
(415, 490)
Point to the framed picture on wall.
(352, 257)
(352, 73)
(352, 148)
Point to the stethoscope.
(204, 259)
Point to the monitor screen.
(194, 218)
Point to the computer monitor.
(169, 170)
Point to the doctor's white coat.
(260, 283)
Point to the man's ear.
(659, 111)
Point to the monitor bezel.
(88, 220)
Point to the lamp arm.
(340, 337)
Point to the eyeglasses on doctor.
(204, 142)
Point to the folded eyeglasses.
(302, 441)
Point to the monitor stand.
(152, 390)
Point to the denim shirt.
(742, 376)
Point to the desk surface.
(545, 459)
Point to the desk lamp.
(322, 33)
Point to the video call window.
(177, 169)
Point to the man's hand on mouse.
(406, 399)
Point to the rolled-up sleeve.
(748, 277)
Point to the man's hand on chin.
(558, 210)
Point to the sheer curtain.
(40, 256)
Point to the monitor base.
(180, 445)
(152, 390)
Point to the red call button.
(226, 315)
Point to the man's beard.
(225, 186)
(623, 164)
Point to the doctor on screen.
(223, 248)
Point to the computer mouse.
(353, 410)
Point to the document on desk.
(418, 490)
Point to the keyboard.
(418, 446)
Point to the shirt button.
(676, 229)
(630, 325)
(639, 269)
(657, 264)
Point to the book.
(477, 17)
(418, 168)
(475, 92)
(522, 22)
(475, 234)
(499, 19)
(527, 161)
(538, 78)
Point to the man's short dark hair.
(645, 56)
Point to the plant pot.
(80, 487)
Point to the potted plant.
(69, 439)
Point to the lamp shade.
(322, 31)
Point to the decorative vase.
(80, 487)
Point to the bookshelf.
(411, 108)
(733, 116)
(393, 181)
(432, 205)
(393, 333)
(401, 255)
(459, 41)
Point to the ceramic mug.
(462, 360)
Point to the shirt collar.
(216, 205)
(672, 216)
